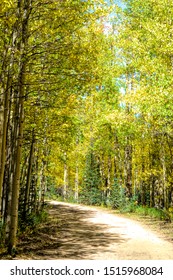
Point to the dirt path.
(81, 232)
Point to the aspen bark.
(4, 137)
(28, 179)
(76, 183)
(1, 141)
(109, 176)
(3, 100)
(65, 180)
(128, 169)
(42, 188)
(143, 187)
(16, 178)
(152, 202)
(164, 177)
(23, 12)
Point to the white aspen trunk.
(109, 176)
(8, 183)
(24, 10)
(41, 187)
(28, 179)
(76, 195)
(164, 179)
(1, 120)
(2, 78)
(128, 168)
(65, 181)
(16, 179)
(1, 140)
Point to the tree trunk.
(152, 202)
(128, 169)
(143, 185)
(65, 180)
(28, 179)
(109, 176)
(76, 195)
(16, 178)
(164, 178)
(23, 13)
(4, 136)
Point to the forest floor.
(83, 232)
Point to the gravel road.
(91, 233)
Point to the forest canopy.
(85, 105)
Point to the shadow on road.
(67, 235)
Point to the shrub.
(32, 220)
(117, 196)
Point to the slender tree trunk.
(4, 101)
(2, 97)
(28, 179)
(23, 12)
(109, 176)
(164, 177)
(9, 170)
(65, 180)
(152, 202)
(43, 185)
(16, 178)
(143, 188)
(76, 195)
(35, 183)
(4, 136)
(128, 169)
(1, 140)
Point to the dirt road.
(81, 232)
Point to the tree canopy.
(85, 105)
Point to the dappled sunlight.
(69, 234)
(82, 232)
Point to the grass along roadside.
(158, 220)
(153, 219)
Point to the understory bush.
(91, 197)
(116, 198)
(1, 234)
(160, 214)
(32, 220)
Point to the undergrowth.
(120, 203)
(32, 221)
(1, 234)
(160, 214)
(156, 213)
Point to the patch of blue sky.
(120, 3)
